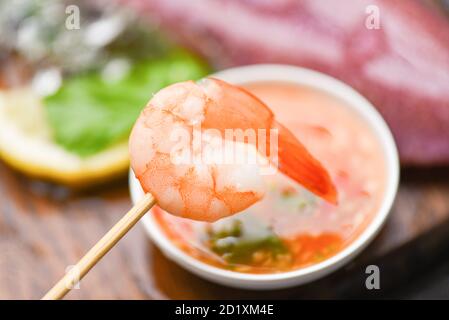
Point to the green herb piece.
(245, 241)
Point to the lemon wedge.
(26, 145)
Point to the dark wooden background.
(44, 228)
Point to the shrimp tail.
(247, 111)
(298, 164)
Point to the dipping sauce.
(291, 228)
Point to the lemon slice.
(26, 145)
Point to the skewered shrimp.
(210, 190)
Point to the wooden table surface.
(45, 228)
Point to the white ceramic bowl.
(266, 72)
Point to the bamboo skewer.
(75, 274)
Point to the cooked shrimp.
(210, 190)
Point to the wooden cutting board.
(45, 228)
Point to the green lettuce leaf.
(88, 114)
